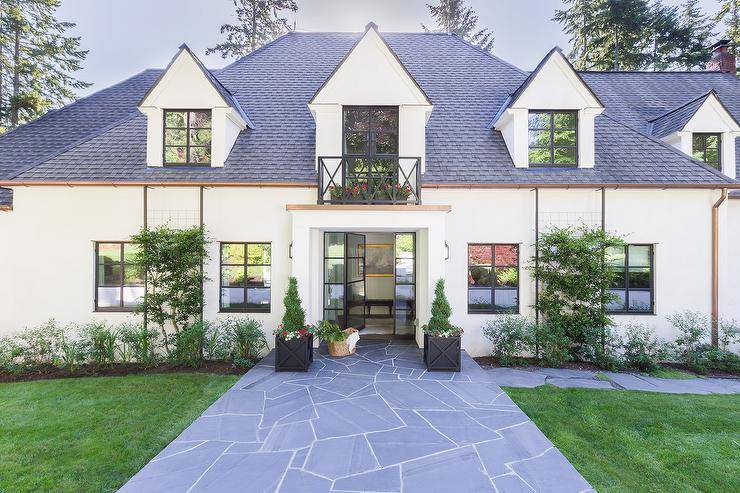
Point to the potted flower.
(293, 338)
(441, 338)
(337, 340)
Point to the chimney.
(722, 60)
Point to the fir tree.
(258, 23)
(697, 28)
(577, 21)
(294, 317)
(37, 60)
(454, 17)
(729, 13)
(667, 37)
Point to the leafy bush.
(708, 358)
(137, 343)
(729, 333)
(575, 283)
(40, 345)
(602, 347)
(73, 352)
(244, 339)
(101, 341)
(641, 350)
(693, 329)
(188, 344)
(10, 351)
(550, 344)
(510, 337)
(439, 324)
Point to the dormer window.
(553, 138)
(707, 147)
(370, 131)
(187, 137)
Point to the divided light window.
(119, 283)
(187, 137)
(553, 138)
(706, 147)
(493, 278)
(245, 277)
(633, 281)
(371, 130)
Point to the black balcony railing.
(369, 180)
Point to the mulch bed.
(119, 370)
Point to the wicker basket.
(341, 348)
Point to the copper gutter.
(615, 186)
(715, 267)
(157, 184)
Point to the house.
(368, 166)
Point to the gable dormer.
(371, 76)
(702, 128)
(549, 120)
(192, 119)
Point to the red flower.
(285, 333)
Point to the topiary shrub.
(439, 324)
(293, 325)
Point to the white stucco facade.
(49, 265)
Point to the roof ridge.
(481, 50)
(705, 95)
(258, 50)
(673, 149)
(74, 144)
(77, 101)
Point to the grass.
(93, 434)
(624, 441)
(668, 372)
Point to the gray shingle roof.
(467, 86)
(676, 119)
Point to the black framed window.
(708, 148)
(370, 130)
(553, 138)
(187, 137)
(493, 278)
(119, 282)
(633, 281)
(245, 277)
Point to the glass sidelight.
(344, 279)
(405, 284)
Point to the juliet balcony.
(369, 180)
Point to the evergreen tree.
(697, 30)
(454, 17)
(258, 23)
(620, 38)
(577, 21)
(667, 37)
(294, 317)
(439, 323)
(729, 13)
(37, 60)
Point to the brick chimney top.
(722, 60)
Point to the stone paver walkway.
(564, 378)
(375, 421)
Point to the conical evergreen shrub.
(439, 323)
(294, 318)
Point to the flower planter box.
(442, 353)
(293, 355)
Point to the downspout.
(536, 266)
(202, 260)
(146, 278)
(715, 267)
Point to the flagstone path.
(375, 421)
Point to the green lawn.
(625, 441)
(93, 434)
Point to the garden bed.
(119, 370)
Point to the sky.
(127, 36)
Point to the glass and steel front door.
(404, 303)
(344, 279)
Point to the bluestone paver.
(378, 423)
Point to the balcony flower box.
(295, 354)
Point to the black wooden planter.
(442, 353)
(293, 355)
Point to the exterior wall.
(49, 264)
